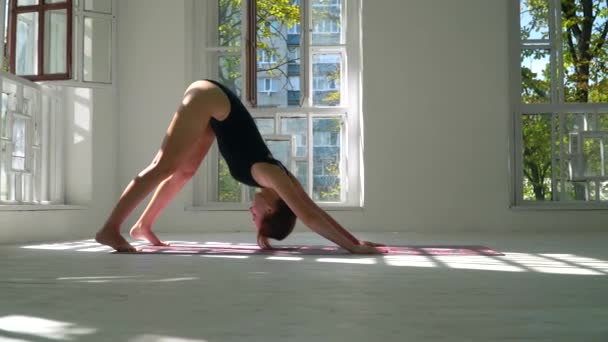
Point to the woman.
(209, 110)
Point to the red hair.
(277, 225)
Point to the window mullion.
(41, 13)
(305, 68)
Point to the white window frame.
(45, 115)
(49, 191)
(349, 110)
(557, 106)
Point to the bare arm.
(290, 190)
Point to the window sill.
(558, 207)
(40, 207)
(246, 208)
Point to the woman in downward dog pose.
(208, 111)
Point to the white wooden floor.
(546, 288)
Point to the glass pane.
(19, 143)
(5, 124)
(327, 153)
(55, 39)
(585, 52)
(26, 188)
(229, 23)
(535, 76)
(26, 46)
(229, 190)
(28, 107)
(102, 6)
(75, 47)
(327, 70)
(37, 173)
(278, 63)
(229, 72)
(534, 19)
(297, 127)
(281, 151)
(302, 173)
(27, 2)
(7, 178)
(54, 1)
(536, 130)
(97, 64)
(3, 171)
(265, 126)
(326, 22)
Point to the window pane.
(281, 151)
(27, 2)
(534, 19)
(28, 107)
(302, 173)
(5, 53)
(537, 156)
(535, 76)
(265, 126)
(297, 127)
(55, 48)
(102, 6)
(229, 190)
(97, 49)
(229, 23)
(326, 22)
(585, 141)
(7, 178)
(585, 64)
(26, 46)
(5, 125)
(327, 151)
(229, 72)
(327, 70)
(37, 172)
(26, 187)
(19, 143)
(53, 1)
(278, 44)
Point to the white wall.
(436, 117)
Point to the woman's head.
(272, 217)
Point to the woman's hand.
(366, 249)
(371, 244)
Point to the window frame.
(205, 57)
(557, 107)
(41, 9)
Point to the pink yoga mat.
(252, 249)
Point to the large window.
(63, 43)
(561, 96)
(296, 66)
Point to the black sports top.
(240, 141)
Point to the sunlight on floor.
(43, 328)
(159, 338)
(509, 262)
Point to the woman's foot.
(111, 237)
(141, 232)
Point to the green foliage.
(229, 188)
(536, 131)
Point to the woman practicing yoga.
(209, 110)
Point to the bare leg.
(201, 101)
(169, 188)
